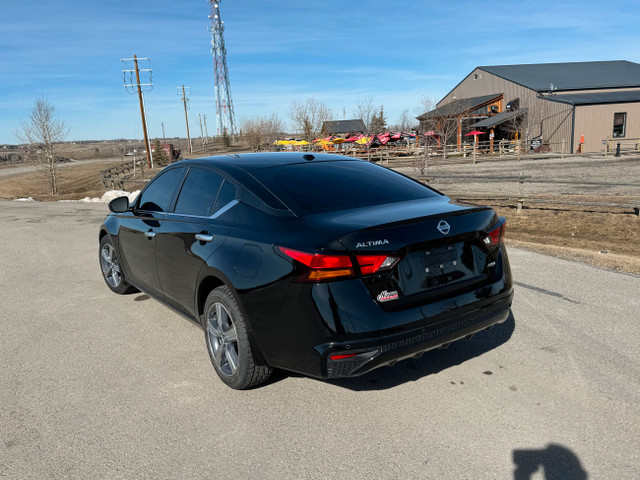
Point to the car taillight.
(496, 234)
(322, 267)
(375, 263)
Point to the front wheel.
(228, 344)
(110, 267)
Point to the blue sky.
(279, 52)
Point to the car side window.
(227, 194)
(157, 196)
(198, 193)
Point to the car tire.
(227, 340)
(111, 270)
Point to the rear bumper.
(376, 352)
(298, 327)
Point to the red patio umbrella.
(474, 133)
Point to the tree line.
(43, 131)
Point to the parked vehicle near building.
(320, 264)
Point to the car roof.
(255, 161)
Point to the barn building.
(557, 104)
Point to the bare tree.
(425, 104)
(421, 162)
(443, 123)
(308, 117)
(365, 110)
(405, 123)
(261, 132)
(42, 132)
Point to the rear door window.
(227, 194)
(338, 185)
(198, 192)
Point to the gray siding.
(595, 122)
(485, 84)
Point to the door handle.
(203, 237)
(150, 234)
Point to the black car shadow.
(430, 363)
(557, 462)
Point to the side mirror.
(119, 205)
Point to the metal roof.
(344, 126)
(570, 76)
(499, 118)
(457, 107)
(596, 98)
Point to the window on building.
(619, 123)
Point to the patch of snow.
(106, 198)
(24, 200)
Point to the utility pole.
(201, 132)
(164, 140)
(185, 100)
(139, 86)
(206, 132)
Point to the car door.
(138, 229)
(200, 221)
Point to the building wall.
(556, 119)
(595, 122)
(552, 120)
(485, 84)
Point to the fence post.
(562, 155)
(520, 200)
(474, 152)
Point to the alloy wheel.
(110, 266)
(222, 339)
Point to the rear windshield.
(326, 186)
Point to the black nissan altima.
(320, 264)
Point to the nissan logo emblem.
(443, 227)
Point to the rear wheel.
(228, 344)
(110, 267)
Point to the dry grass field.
(76, 182)
(608, 238)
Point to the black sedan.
(320, 264)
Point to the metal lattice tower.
(224, 104)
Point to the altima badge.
(443, 227)
(372, 243)
(386, 296)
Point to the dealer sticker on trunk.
(386, 296)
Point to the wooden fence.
(119, 175)
(520, 199)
